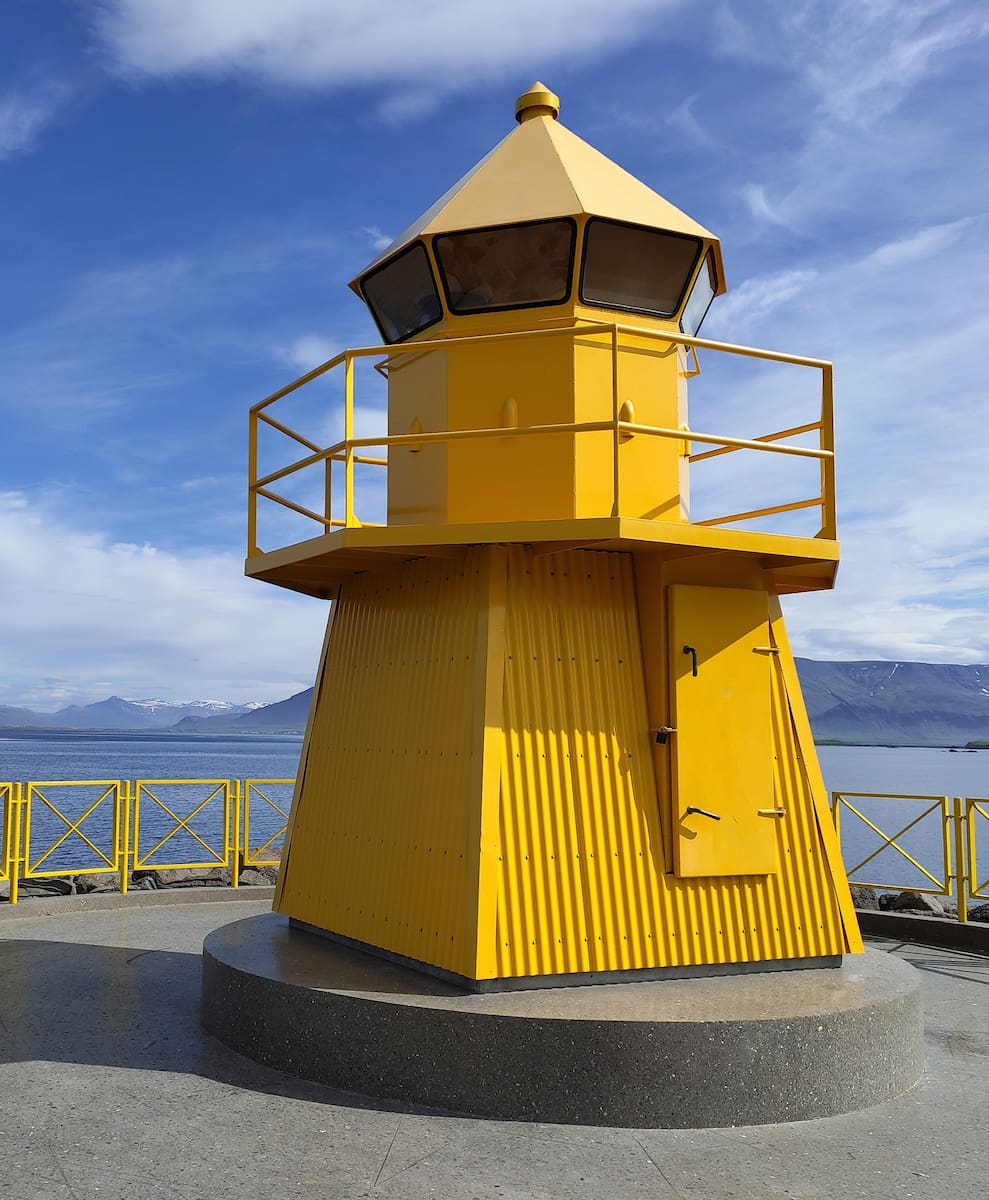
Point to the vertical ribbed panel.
(581, 844)
(582, 881)
(379, 848)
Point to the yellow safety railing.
(975, 811)
(83, 827)
(86, 827)
(349, 450)
(259, 789)
(100, 799)
(951, 826)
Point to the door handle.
(701, 812)
(693, 658)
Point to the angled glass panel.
(637, 269)
(513, 266)
(699, 301)
(402, 294)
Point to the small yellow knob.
(538, 101)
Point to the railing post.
(349, 518)
(17, 804)
(829, 527)
(616, 417)
(961, 857)
(239, 797)
(252, 496)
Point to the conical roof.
(542, 170)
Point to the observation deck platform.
(113, 1090)
(319, 565)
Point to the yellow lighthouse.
(557, 733)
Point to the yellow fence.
(88, 827)
(352, 451)
(946, 827)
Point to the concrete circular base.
(680, 1053)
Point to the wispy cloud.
(840, 39)
(376, 237)
(419, 52)
(24, 113)
(760, 206)
(306, 351)
(684, 120)
(858, 59)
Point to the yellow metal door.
(722, 752)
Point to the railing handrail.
(345, 449)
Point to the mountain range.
(867, 703)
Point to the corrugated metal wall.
(397, 829)
(380, 836)
(582, 884)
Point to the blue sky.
(187, 185)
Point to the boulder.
(61, 885)
(258, 876)
(175, 877)
(979, 914)
(865, 898)
(917, 902)
(102, 881)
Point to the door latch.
(663, 734)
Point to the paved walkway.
(109, 1089)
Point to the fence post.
(15, 825)
(961, 856)
(238, 799)
(123, 816)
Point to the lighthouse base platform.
(676, 1053)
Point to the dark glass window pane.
(402, 294)
(513, 267)
(639, 269)
(695, 310)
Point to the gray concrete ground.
(109, 1089)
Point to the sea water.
(194, 819)
(37, 756)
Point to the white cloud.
(858, 59)
(760, 206)
(747, 306)
(375, 236)
(416, 51)
(24, 114)
(852, 78)
(307, 351)
(684, 120)
(92, 617)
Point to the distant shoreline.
(36, 733)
